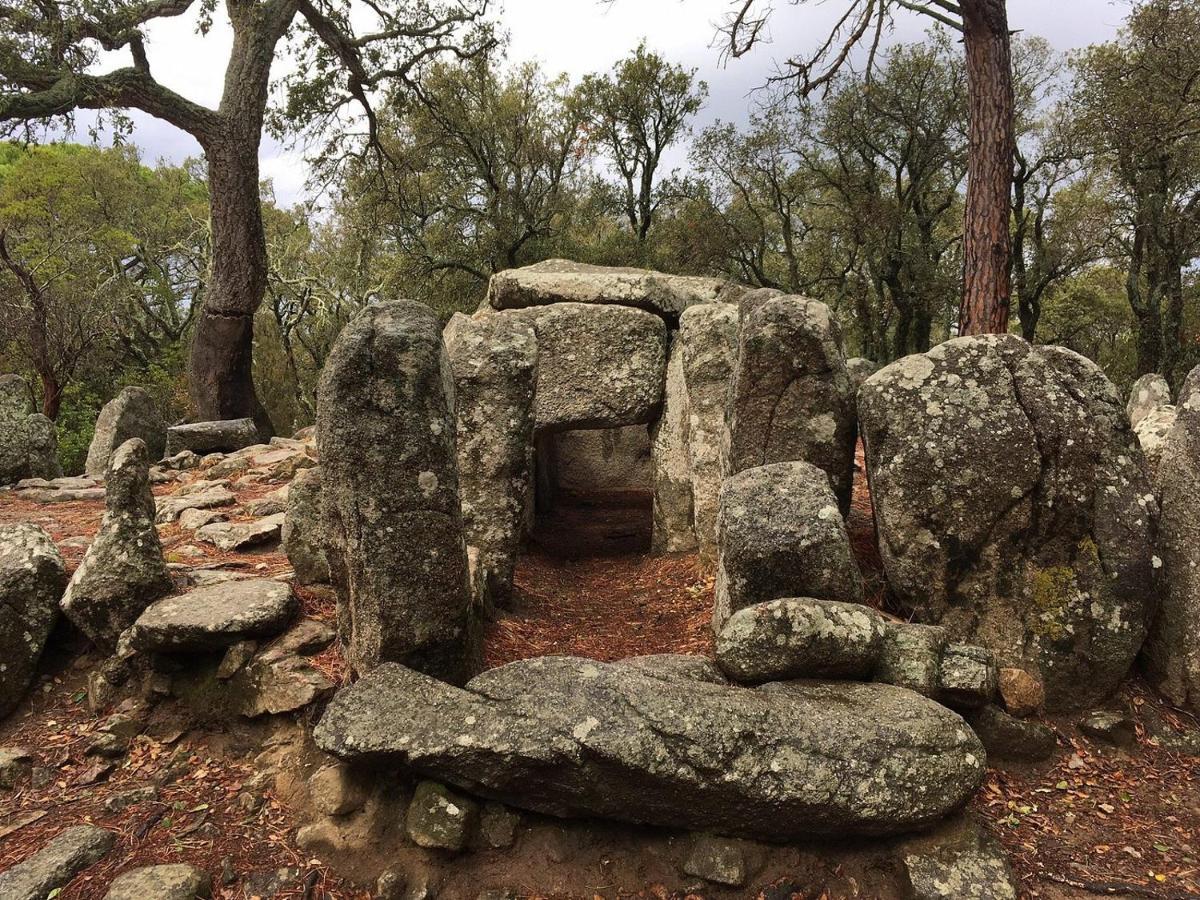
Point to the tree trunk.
(987, 247)
(222, 383)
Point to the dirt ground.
(1093, 821)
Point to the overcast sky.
(580, 36)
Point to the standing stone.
(389, 493)
(131, 414)
(123, 570)
(673, 509)
(708, 334)
(14, 398)
(780, 534)
(1152, 432)
(28, 442)
(859, 370)
(494, 361)
(1148, 393)
(1013, 508)
(791, 397)
(1172, 653)
(32, 578)
(597, 366)
(302, 529)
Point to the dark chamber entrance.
(594, 493)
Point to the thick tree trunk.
(987, 247)
(222, 383)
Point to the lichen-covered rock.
(32, 578)
(123, 570)
(52, 867)
(494, 361)
(798, 637)
(708, 335)
(389, 493)
(15, 402)
(598, 366)
(563, 281)
(1152, 432)
(439, 817)
(1148, 393)
(673, 528)
(967, 676)
(911, 656)
(214, 617)
(28, 449)
(221, 436)
(131, 414)
(860, 369)
(574, 737)
(1007, 737)
(1172, 652)
(172, 881)
(301, 533)
(791, 397)
(1190, 387)
(716, 859)
(1013, 507)
(959, 861)
(780, 534)
(1110, 727)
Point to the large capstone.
(708, 334)
(598, 366)
(221, 436)
(301, 534)
(563, 281)
(673, 528)
(791, 396)
(32, 578)
(123, 570)
(1148, 393)
(494, 361)
(1172, 653)
(131, 414)
(389, 493)
(1013, 507)
(573, 737)
(780, 534)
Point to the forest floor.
(1093, 821)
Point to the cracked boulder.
(791, 396)
(1013, 508)
(1148, 393)
(392, 520)
(494, 361)
(572, 737)
(32, 578)
(131, 414)
(123, 570)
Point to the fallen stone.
(192, 519)
(123, 571)
(122, 800)
(716, 859)
(273, 503)
(1021, 692)
(235, 658)
(32, 579)
(780, 534)
(967, 676)
(16, 764)
(1006, 737)
(1148, 393)
(800, 638)
(131, 414)
(1013, 508)
(440, 818)
(911, 657)
(1110, 727)
(389, 494)
(214, 617)
(176, 881)
(59, 861)
(301, 534)
(170, 508)
(791, 397)
(573, 737)
(182, 461)
(222, 436)
(233, 536)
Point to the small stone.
(236, 536)
(228, 872)
(1022, 693)
(1111, 727)
(390, 885)
(1006, 737)
(60, 860)
(962, 875)
(497, 826)
(166, 882)
(235, 658)
(715, 859)
(109, 746)
(967, 676)
(438, 817)
(16, 763)
(911, 656)
(191, 519)
(336, 791)
(126, 799)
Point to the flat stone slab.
(170, 508)
(53, 867)
(241, 535)
(574, 737)
(215, 616)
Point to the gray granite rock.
(131, 414)
(214, 617)
(967, 676)
(32, 579)
(674, 529)
(439, 817)
(173, 881)
(301, 535)
(232, 536)
(911, 657)
(56, 864)
(1148, 393)
(223, 436)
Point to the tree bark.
(987, 247)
